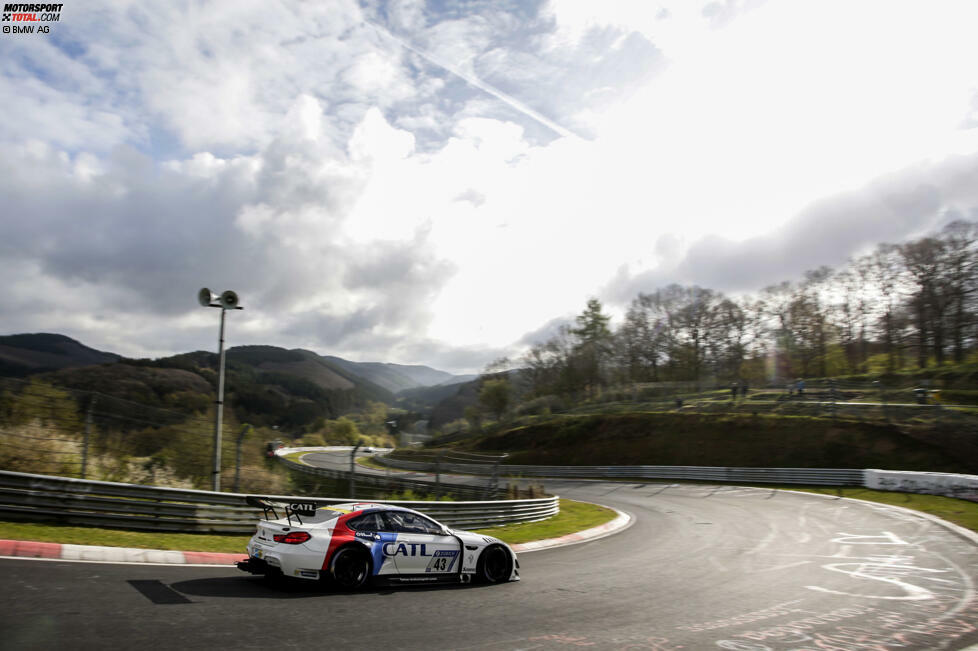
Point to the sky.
(440, 183)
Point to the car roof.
(366, 507)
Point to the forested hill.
(265, 385)
(25, 354)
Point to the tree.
(342, 431)
(726, 337)
(692, 322)
(809, 315)
(473, 415)
(852, 310)
(884, 274)
(547, 365)
(960, 238)
(777, 300)
(920, 295)
(594, 345)
(494, 396)
(641, 340)
(924, 262)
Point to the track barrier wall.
(81, 502)
(931, 483)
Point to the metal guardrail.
(66, 500)
(389, 484)
(816, 476)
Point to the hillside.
(445, 402)
(24, 354)
(731, 440)
(265, 385)
(300, 363)
(394, 377)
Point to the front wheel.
(495, 565)
(350, 568)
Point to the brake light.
(292, 538)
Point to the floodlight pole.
(226, 301)
(216, 472)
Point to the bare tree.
(924, 262)
(884, 274)
(961, 264)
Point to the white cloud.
(365, 201)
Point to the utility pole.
(228, 300)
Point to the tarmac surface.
(696, 567)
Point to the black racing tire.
(350, 568)
(495, 565)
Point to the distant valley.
(266, 385)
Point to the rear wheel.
(350, 568)
(495, 565)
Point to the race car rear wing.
(291, 509)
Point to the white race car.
(353, 544)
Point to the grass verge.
(369, 462)
(960, 512)
(573, 517)
(41, 532)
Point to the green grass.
(573, 517)
(960, 512)
(369, 462)
(40, 532)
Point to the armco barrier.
(149, 508)
(818, 476)
(390, 484)
(931, 483)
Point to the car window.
(405, 522)
(368, 522)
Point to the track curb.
(100, 554)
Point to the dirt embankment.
(732, 440)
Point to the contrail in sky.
(481, 85)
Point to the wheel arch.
(480, 572)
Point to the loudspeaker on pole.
(229, 300)
(205, 297)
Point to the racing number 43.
(443, 561)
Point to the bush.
(542, 406)
(312, 440)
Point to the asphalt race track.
(702, 567)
